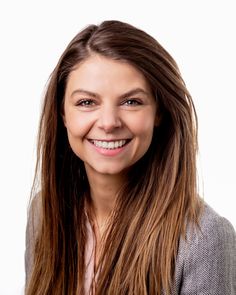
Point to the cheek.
(142, 126)
(77, 125)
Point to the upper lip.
(108, 140)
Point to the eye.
(85, 102)
(132, 102)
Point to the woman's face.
(109, 113)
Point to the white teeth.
(109, 144)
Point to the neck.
(103, 192)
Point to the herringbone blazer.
(206, 261)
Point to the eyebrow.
(128, 93)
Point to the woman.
(118, 210)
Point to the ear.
(64, 119)
(156, 122)
(62, 113)
(158, 115)
(158, 119)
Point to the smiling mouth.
(110, 145)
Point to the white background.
(200, 35)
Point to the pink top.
(89, 260)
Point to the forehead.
(99, 73)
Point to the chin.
(109, 170)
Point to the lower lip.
(109, 152)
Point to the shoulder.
(213, 228)
(34, 214)
(32, 229)
(207, 257)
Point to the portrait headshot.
(128, 176)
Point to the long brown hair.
(160, 194)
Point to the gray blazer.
(206, 261)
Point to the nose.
(109, 119)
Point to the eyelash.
(133, 100)
(85, 102)
(89, 102)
